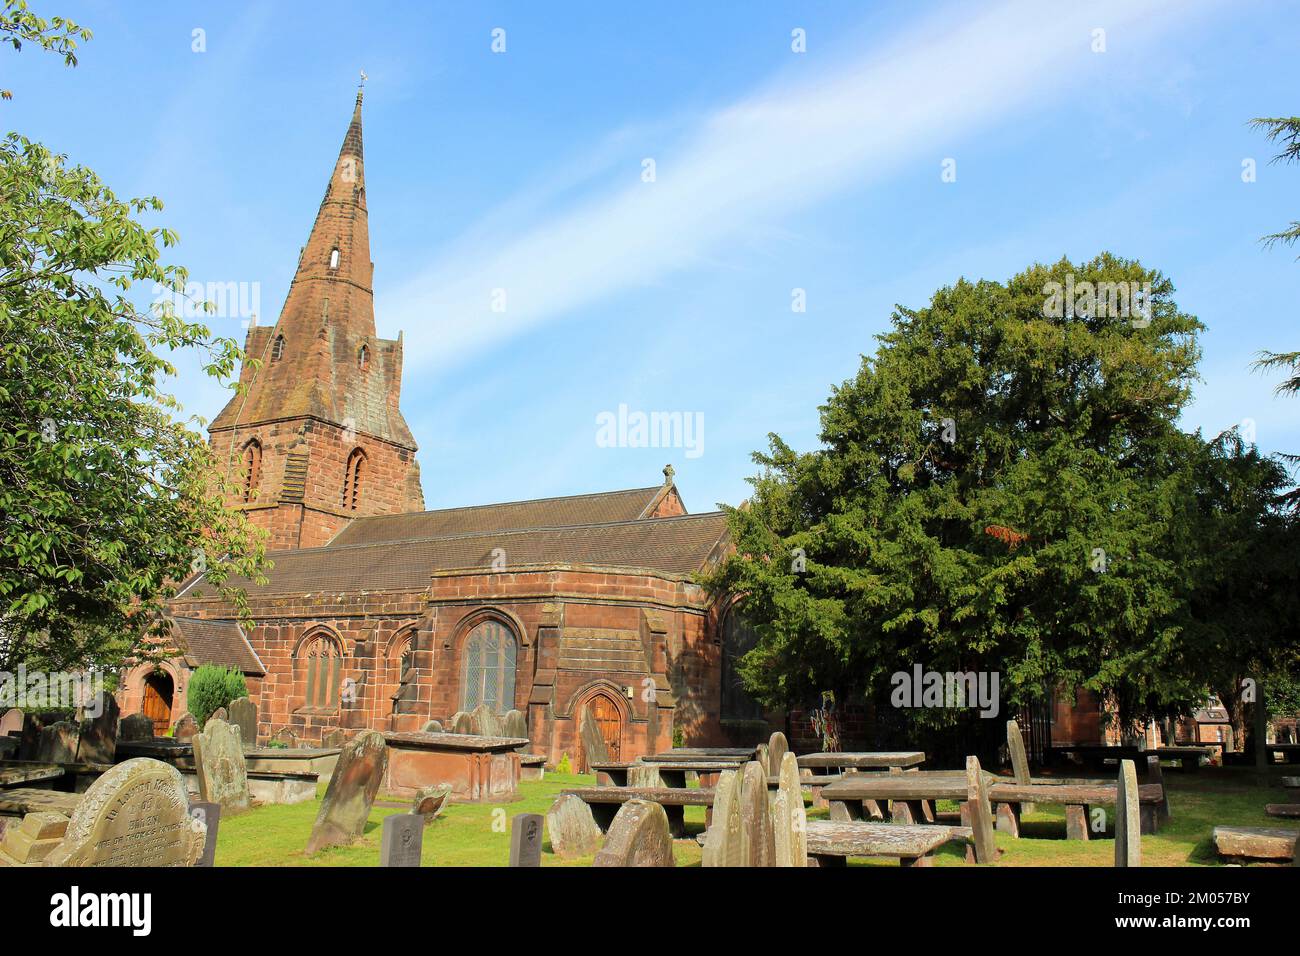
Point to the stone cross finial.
(669, 471)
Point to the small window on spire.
(277, 348)
(334, 258)
(363, 357)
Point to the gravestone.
(638, 837)
(757, 840)
(430, 801)
(219, 765)
(11, 722)
(431, 727)
(572, 827)
(97, 741)
(403, 840)
(514, 724)
(209, 814)
(1128, 823)
(593, 741)
(526, 839)
(185, 728)
(789, 821)
(1019, 760)
(219, 714)
(462, 723)
(135, 727)
(485, 723)
(243, 713)
(641, 775)
(722, 841)
(33, 839)
(335, 738)
(981, 813)
(1155, 774)
(351, 792)
(135, 814)
(777, 748)
(30, 743)
(58, 743)
(760, 754)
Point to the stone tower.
(317, 437)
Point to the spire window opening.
(334, 258)
(277, 348)
(352, 480)
(363, 357)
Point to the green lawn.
(479, 834)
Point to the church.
(381, 615)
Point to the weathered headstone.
(185, 728)
(219, 714)
(135, 727)
(220, 767)
(30, 738)
(58, 743)
(760, 754)
(981, 813)
(135, 814)
(431, 801)
(97, 742)
(643, 775)
(777, 748)
(486, 723)
(431, 727)
(593, 741)
(34, 839)
(757, 840)
(11, 722)
(526, 839)
(335, 738)
(789, 820)
(351, 792)
(572, 827)
(638, 837)
(722, 841)
(462, 723)
(1128, 823)
(403, 840)
(514, 724)
(243, 713)
(1155, 774)
(209, 814)
(1019, 760)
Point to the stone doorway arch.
(159, 689)
(609, 720)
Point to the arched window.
(490, 652)
(738, 639)
(277, 348)
(352, 480)
(334, 258)
(363, 357)
(322, 666)
(252, 468)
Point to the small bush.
(564, 766)
(212, 687)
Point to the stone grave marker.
(789, 820)
(641, 775)
(1019, 760)
(97, 740)
(760, 754)
(58, 743)
(431, 727)
(572, 827)
(461, 723)
(777, 748)
(1156, 774)
(219, 714)
(981, 813)
(30, 743)
(351, 792)
(335, 738)
(243, 713)
(220, 767)
(486, 723)
(526, 839)
(593, 741)
(514, 724)
(1128, 823)
(11, 721)
(185, 728)
(431, 801)
(135, 814)
(135, 727)
(34, 839)
(722, 840)
(403, 840)
(209, 814)
(757, 840)
(639, 837)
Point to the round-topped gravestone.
(461, 723)
(789, 820)
(219, 765)
(430, 801)
(722, 841)
(351, 792)
(431, 727)
(571, 827)
(639, 836)
(757, 841)
(135, 727)
(777, 748)
(485, 722)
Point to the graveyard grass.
(479, 834)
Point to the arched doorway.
(605, 713)
(158, 691)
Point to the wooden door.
(607, 719)
(158, 702)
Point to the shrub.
(212, 687)
(564, 766)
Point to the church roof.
(215, 642)
(679, 545)
(599, 508)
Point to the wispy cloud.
(818, 129)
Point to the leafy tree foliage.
(212, 687)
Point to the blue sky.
(774, 170)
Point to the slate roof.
(215, 642)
